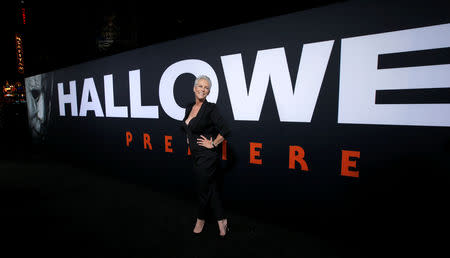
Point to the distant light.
(19, 52)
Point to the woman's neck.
(199, 102)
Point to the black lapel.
(194, 122)
(189, 108)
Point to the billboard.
(329, 106)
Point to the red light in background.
(23, 15)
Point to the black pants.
(207, 175)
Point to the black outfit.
(208, 123)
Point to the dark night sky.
(64, 33)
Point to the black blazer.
(208, 122)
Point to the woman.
(205, 129)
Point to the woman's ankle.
(222, 222)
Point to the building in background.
(13, 90)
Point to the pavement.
(61, 208)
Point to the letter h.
(68, 98)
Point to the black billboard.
(329, 106)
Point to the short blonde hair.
(202, 77)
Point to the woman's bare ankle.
(223, 224)
(199, 226)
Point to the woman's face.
(201, 90)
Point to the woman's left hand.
(203, 141)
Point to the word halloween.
(359, 80)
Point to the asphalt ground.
(60, 208)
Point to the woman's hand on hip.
(203, 141)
